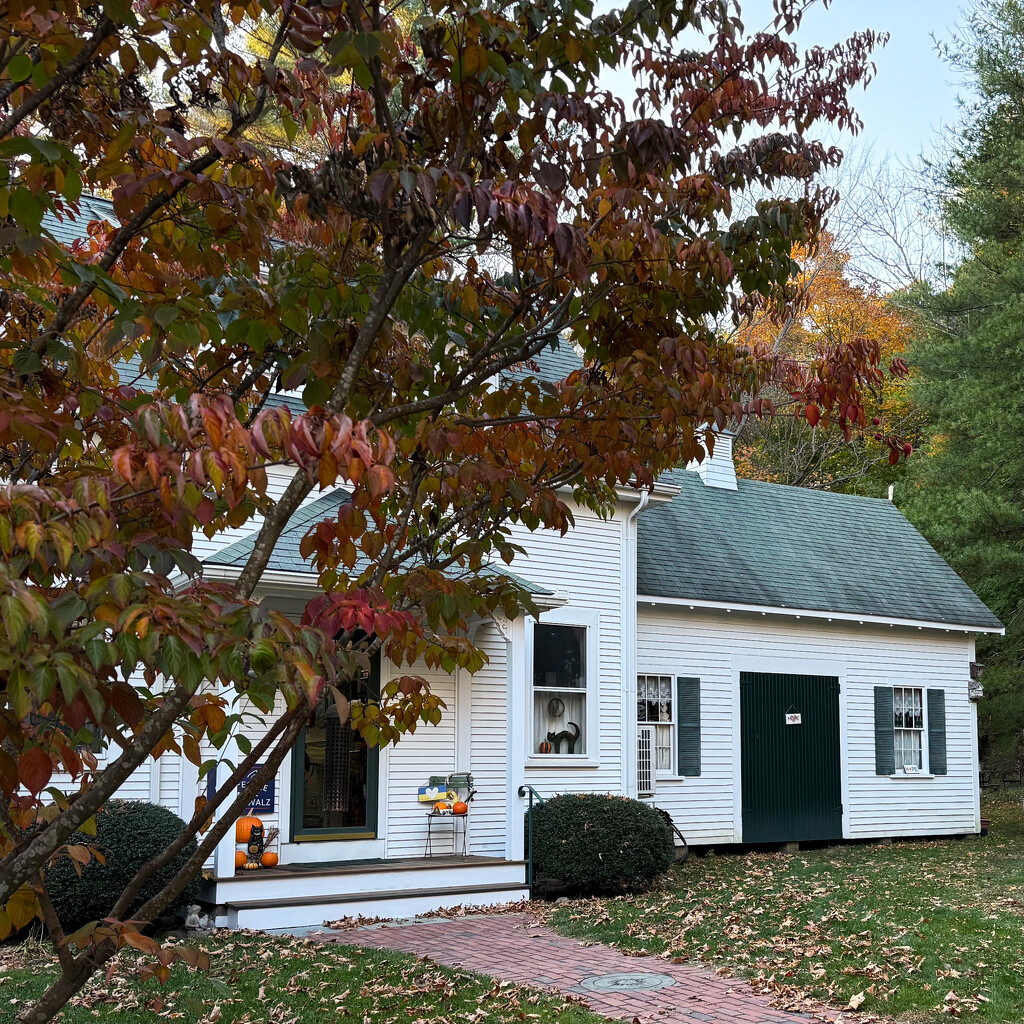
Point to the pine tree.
(966, 492)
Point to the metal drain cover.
(637, 982)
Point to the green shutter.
(885, 751)
(937, 732)
(688, 725)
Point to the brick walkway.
(512, 947)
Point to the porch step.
(307, 883)
(302, 913)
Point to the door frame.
(371, 831)
(788, 666)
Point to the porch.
(299, 897)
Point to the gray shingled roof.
(286, 557)
(552, 365)
(71, 229)
(793, 547)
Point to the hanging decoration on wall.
(556, 707)
(568, 736)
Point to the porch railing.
(535, 798)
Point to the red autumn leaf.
(35, 769)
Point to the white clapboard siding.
(430, 750)
(715, 646)
(584, 568)
(488, 747)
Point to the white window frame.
(922, 730)
(667, 727)
(588, 620)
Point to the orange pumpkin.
(460, 807)
(240, 859)
(440, 807)
(243, 828)
(269, 859)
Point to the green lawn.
(266, 980)
(923, 930)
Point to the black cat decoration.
(255, 846)
(570, 736)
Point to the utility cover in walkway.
(627, 982)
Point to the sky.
(914, 92)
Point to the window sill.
(914, 775)
(562, 761)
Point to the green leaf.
(26, 362)
(20, 68)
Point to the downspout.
(628, 598)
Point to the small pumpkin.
(240, 859)
(441, 807)
(269, 859)
(244, 827)
(544, 748)
(460, 807)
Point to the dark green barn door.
(790, 775)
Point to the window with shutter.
(688, 725)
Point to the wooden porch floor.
(351, 867)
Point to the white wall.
(716, 647)
(488, 753)
(584, 568)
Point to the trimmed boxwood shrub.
(600, 844)
(129, 833)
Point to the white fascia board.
(813, 613)
(270, 577)
(661, 494)
(279, 580)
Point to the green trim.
(367, 831)
(308, 835)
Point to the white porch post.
(224, 856)
(516, 712)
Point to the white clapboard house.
(766, 663)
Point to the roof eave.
(282, 579)
(814, 613)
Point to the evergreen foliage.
(966, 493)
(129, 834)
(601, 844)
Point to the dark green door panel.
(790, 773)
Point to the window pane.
(663, 750)
(559, 722)
(559, 656)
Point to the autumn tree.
(816, 450)
(473, 197)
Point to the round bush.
(129, 834)
(600, 844)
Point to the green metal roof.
(286, 557)
(792, 547)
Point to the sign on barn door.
(789, 735)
